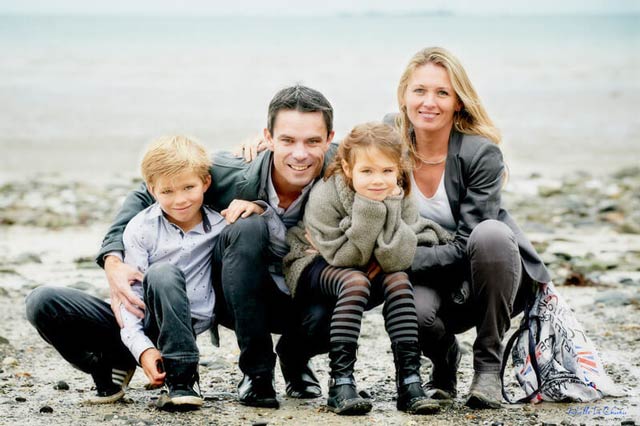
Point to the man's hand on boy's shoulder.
(120, 277)
(250, 148)
(240, 208)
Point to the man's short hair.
(303, 99)
(169, 156)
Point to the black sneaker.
(182, 387)
(110, 385)
(180, 397)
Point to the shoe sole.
(97, 400)
(480, 402)
(438, 394)
(126, 379)
(354, 409)
(179, 403)
(443, 398)
(262, 404)
(424, 408)
(305, 395)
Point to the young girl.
(359, 234)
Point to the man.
(253, 299)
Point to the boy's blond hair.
(169, 156)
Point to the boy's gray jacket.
(231, 178)
(349, 230)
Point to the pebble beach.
(586, 228)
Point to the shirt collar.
(274, 200)
(155, 212)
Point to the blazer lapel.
(452, 176)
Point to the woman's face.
(430, 99)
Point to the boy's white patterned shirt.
(150, 238)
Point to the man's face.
(299, 142)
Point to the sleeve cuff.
(117, 254)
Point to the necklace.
(430, 163)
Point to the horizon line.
(371, 14)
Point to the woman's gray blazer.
(473, 178)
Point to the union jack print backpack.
(552, 357)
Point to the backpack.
(552, 357)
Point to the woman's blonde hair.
(169, 156)
(472, 117)
(372, 135)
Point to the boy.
(171, 243)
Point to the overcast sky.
(324, 7)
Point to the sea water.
(83, 95)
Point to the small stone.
(61, 385)
(364, 394)
(23, 258)
(577, 279)
(627, 172)
(615, 217)
(10, 362)
(21, 399)
(549, 190)
(46, 409)
(614, 298)
(3, 341)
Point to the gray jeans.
(498, 290)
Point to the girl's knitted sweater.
(349, 230)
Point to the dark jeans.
(84, 330)
(499, 288)
(167, 319)
(249, 302)
(81, 327)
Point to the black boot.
(258, 391)
(343, 396)
(411, 397)
(445, 357)
(183, 386)
(299, 379)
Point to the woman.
(483, 277)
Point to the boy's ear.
(207, 183)
(268, 138)
(345, 168)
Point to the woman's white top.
(436, 208)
